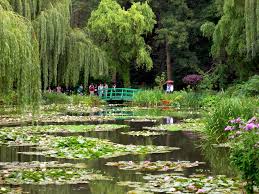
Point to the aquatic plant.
(46, 176)
(170, 183)
(154, 166)
(91, 148)
(143, 133)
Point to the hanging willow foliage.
(230, 30)
(19, 59)
(31, 8)
(4, 4)
(252, 26)
(52, 26)
(81, 56)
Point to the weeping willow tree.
(52, 27)
(237, 32)
(236, 38)
(19, 59)
(4, 4)
(121, 33)
(252, 26)
(81, 56)
(38, 44)
(31, 8)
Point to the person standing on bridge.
(91, 89)
(100, 90)
(105, 87)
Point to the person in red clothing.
(91, 89)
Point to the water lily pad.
(37, 164)
(9, 190)
(64, 128)
(44, 176)
(91, 148)
(170, 183)
(186, 125)
(143, 133)
(154, 166)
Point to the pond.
(124, 169)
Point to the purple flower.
(252, 120)
(232, 121)
(229, 128)
(250, 126)
(236, 121)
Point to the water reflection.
(187, 141)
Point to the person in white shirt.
(100, 90)
(169, 87)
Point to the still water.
(188, 142)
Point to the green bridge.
(110, 94)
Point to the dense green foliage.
(120, 32)
(19, 59)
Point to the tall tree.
(235, 36)
(19, 59)
(172, 28)
(120, 32)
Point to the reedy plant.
(149, 98)
(225, 110)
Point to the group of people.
(93, 89)
(99, 90)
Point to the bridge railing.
(117, 93)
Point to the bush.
(244, 152)
(210, 100)
(56, 98)
(148, 98)
(249, 88)
(192, 79)
(225, 110)
(245, 157)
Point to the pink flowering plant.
(244, 150)
(238, 126)
(192, 79)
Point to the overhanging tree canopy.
(120, 32)
(19, 59)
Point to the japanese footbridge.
(113, 94)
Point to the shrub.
(244, 152)
(249, 88)
(148, 98)
(225, 110)
(210, 100)
(192, 79)
(56, 98)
